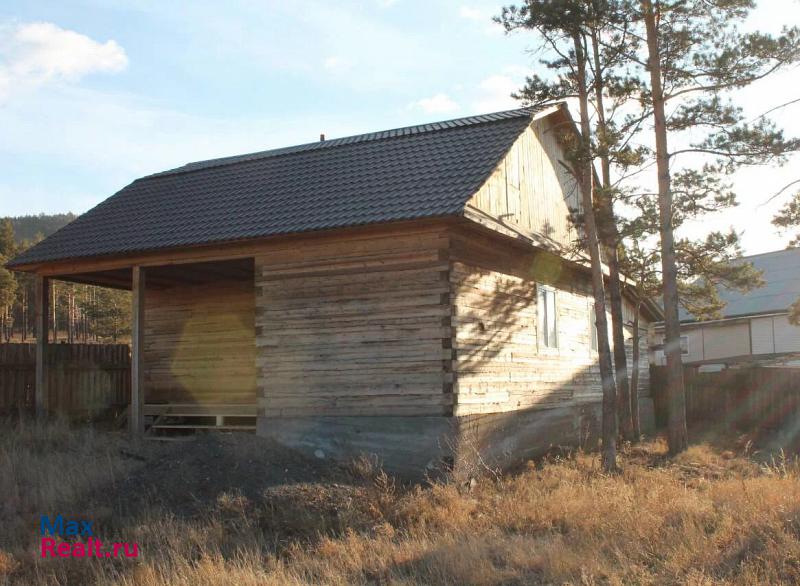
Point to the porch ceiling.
(169, 275)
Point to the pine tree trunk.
(677, 436)
(25, 312)
(585, 180)
(70, 306)
(637, 426)
(55, 317)
(608, 235)
(624, 396)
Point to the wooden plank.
(237, 250)
(208, 409)
(190, 426)
(200, 343)
(42, 332)
(357, 328)
(530, 192)
(498, 365)
(137, 346)
(85, 379)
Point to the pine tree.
(8, 283)
(694, 72)
(8, 244)
(639, 264)
(788, 217)
(566, 28)
(609, 42)
(704, 267)
(8, 289)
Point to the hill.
(27, 227)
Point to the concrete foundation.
(408, 447)
(413, 448)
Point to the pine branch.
(780, 191)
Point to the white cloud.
(471, 13)
(494, 93)
(32, 54)
(516, 71)
(335, 63)
(481, 16)
(438, 104)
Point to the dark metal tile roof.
(415, 172)
(781, 273)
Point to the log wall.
(199, 343)
(355, 326)
(499, 364)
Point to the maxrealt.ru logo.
(88, 546)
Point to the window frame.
(542, 314)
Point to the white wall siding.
(695, 340)
(787, 336)
(761, 335)
(723, 341)
(757, 336)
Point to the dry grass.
(709, 516)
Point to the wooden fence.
(747, 398)
(83, 379)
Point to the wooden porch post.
(137, 339)
(42, 330)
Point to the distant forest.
(80, 313)
(33, 228)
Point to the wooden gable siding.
(355, 326)
(498, 363)
(531, 188)
(199, 343)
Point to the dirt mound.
(189, 477)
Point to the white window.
(684, 345)
(546, 309)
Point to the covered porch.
(193, 349)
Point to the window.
(684, 345)
(593, 326)
(546, 309)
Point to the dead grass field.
(238, 511)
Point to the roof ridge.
(791, 249)
(378, 135)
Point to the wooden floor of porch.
(181, 421)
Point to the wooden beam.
(99, 281)
(232, 250)
(137, 346)
(42, 332)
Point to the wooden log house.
(406, 293)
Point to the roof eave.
(234, 248)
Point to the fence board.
(84, 379)
(742, 398)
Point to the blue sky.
(165, 83)
(96, 93)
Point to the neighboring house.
(754, 327)
(404, 293)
